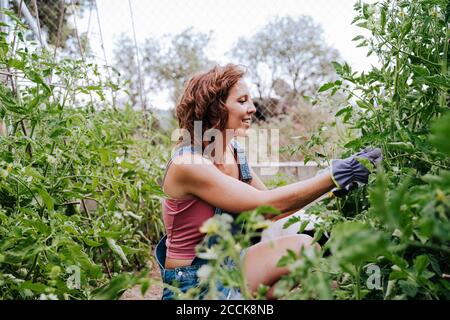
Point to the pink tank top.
(183, 218)
(186, 217)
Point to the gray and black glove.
(346, 173)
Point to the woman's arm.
(202, 179)
(256, 181)
(259, 184)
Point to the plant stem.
(431, 246)
(26, 186)
(443, 93)
(32, 267)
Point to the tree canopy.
(287, 54)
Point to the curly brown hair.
(204, 97)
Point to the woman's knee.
(278, 247)
(296, 243)
(309, 241)
(261, 259)
(299, 241)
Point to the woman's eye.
(242, 101)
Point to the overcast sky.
(228, 19)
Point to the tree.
(126, 63)
(184, 57)
(165, 64)
(288, 52)
(253, 54)
(49, 17)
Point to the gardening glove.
(336, 191)
(345, 172)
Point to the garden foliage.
(79, 193)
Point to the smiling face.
(240, 108)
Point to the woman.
(201, 181)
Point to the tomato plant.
(79, 192)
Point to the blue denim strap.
(244, 168)
(160, 255)
(245, 176)
(178, 152)
(186, 149)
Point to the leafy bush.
(79, 193)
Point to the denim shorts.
(185, 278)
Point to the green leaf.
(366, 163)
(36, 287)
(48, 200)
(345, 110)
(354, 144)
(114, 288)
(58, 131)
(398, 274)
(112, 203)
(408, 287)
(92, 243)
(73, 253)
(365, 10)
(117, 249)
(420, 263)
(3, 218)
(363, 25)
(383, 18)
(363, 43)
(402, 146)
(16, 63)
(105, 156)
(440, 134)
(338, 67)
(420, 70)
(326, 86)
(362, 104)
(435, 80)
(396, 217)
(291, 221)
(39, 225)
(407, 28)
(100, 94)
(266, 209)
(356, 243)
(359, 37)
(92, 87)
(14, 17)
(31, 172)
(8, 102)
(303, 226)
(145, 285)
(287, 259)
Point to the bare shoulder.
(185, 168)
(194, 176)
(188, 163)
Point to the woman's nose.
(251, 109)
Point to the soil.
(154, 292)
